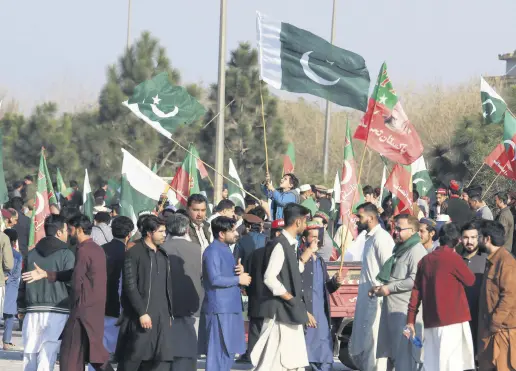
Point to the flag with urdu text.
(399, 185)
(502, 159)
(493, 105)
(299, 61)
(63, 190)
(141, 188)
(350, 190)
(289, 160)
(421, 177)
(41, 203)
(88, 202)
(235, 193)
(186, 178)
(4, 194)
(386, 128)
(164, 106)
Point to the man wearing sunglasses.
(397, 276)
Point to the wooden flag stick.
(474, 176)
(490, 185)
(264, 131)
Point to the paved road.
(12, 360)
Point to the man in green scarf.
(397, 276)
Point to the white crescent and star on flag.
(160, 113)
(305, 59)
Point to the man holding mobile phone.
(317, 287)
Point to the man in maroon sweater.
(439, 285)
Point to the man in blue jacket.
(286, 193)
(221, 328)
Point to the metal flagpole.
(328, 108)
(219, 148)
(128, 24)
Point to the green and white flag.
(493, 105)
(235, 194)
(164, 106)
(421, 178)
(87, 197)
(141, 188)
(335, 196)
(298, 61)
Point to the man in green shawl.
(397, 276)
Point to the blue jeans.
(8, 328)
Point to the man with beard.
(282, 196)
(497, 319)
(199, 232)
(221, 328)
(505, 218)
(145, 341)
(397, 275)
(377, 250)
(83, 333)
(476, 262)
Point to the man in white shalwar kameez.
(281, 345)
(377, 249)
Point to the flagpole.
(474, 176)
(490, 185)
(328, 108)
(264, 131)
(128, 23)
(221, 96)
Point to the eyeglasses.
(398, 229)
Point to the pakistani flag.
(87, 197)
(493, 106)
(63, 190)
(164, 106)
(141, 188)
(421, 177)
(335, 196)
(41, 204)
(113, 191)
(235, 193)
(298, 61)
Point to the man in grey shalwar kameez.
(398, 275)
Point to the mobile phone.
(320, 238)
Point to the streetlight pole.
(328, 108)
(221, 102)
(128, 23)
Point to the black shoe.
(244, 358)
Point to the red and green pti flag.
(44, 197)
(386, 128)
(399, 184)
(186, 179)
(502, 159)
(350, 190)
(289, 159)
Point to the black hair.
(503, 196)
(29, 178)
(293, 212)
(222, 224)
(151, 224)
(415, 195)
(249, 200)
(12, 234)
(473, 225)
(83, 222)
(115, 208)
(103, 183)
(368, 190)
(369, 208)
(16, 203)
(224, 205)
(102, 217)
(196, 198)
(182, 212)
(139, 221)
(239, 211)
(69, 212)
(494, 230)
(167, 212)
(449, 235)
(99, 201)
(259, 212)
(73, 183)
(54, 223)
(122, 227)
(293, 180)
(17, 184)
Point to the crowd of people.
(434, 290)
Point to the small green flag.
(493, 105)
(87, 197)
(421, 177)
(61, 185)
(298, 61)
(113, 192)
(235, 193)
(164, 106)
(289, 160)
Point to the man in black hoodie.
(46, 304)
(23, 225)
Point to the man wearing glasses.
(397, 276)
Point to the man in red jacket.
(439, 285)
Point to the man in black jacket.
(122, 227)
(45, 305)
(187, 291)
(145, 337)
(23, 225)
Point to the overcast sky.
(59, 49)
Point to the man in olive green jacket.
(6, 257)
(505, 218)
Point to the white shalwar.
(449, 348)
(281, 347)
(41, 332)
